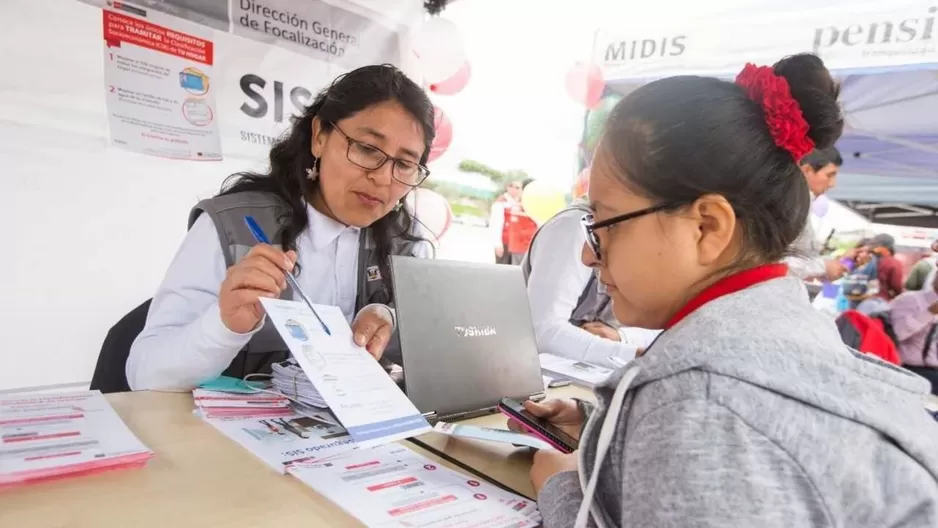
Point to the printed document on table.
(490, 435)
(284, 440)
(393, 486)
(578, 372)
(356, 388)
(52, 435)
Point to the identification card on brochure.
(356, 388)
(490, 435)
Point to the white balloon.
(432, 210)
(438, 49)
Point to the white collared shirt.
(807, 263)
(185, 342)
(558, 278)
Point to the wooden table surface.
(503, 463)
(201, 478)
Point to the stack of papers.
(217, 404)
(342, 375)
(290, 380)
(392, 486)
(578, 372)
(48, 437)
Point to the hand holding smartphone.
(538, 427)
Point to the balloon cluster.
(443, 65)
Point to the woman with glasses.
(748, 410)
(331, 204)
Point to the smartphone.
(539, 427)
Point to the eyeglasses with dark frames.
(590, 226)
(370, 157)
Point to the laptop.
(467, 338)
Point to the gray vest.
(228, 212)
(592, 305)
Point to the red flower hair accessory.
(782, 112)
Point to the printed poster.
(159, 84)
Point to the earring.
(313, 172)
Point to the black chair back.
(109, 373)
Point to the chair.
(109, 373)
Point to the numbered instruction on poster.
(160, 97)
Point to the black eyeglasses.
(590, 226)
(370, 157)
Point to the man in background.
(922, 269)
(500, 220)
(914, 317)
(521, 229)
(889, 269)
(820, 169)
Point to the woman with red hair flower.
(748, 409)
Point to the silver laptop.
(467, 338)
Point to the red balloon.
(444, 134)
(454, 84)
(585, 84)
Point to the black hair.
(290, 156)
(820, 158)
(679, 138)
(525, 182)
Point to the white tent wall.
(89, 229)
(884, 53)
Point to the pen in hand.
(261, 238)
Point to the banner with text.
(192, 79)
(160, 99)
(869, 35)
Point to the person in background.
(914, 317)
(820, 169)
(521, 229)
(572, 314)
(748, 410)
(500, 220)
(922, 269)
(331, 203)
(889, 269)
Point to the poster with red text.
(158, 78)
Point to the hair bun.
(816, 92)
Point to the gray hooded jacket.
(752, 412)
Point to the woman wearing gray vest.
(332, 205)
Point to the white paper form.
(490, 435)
(392, 486)
(356, 388)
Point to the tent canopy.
(885, 54)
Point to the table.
(503, 463)
(197, 478)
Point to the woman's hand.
(547, 463)
(601, 329)
(261, 273)
(372, 328)
(564, 414)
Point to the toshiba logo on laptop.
(475, 331)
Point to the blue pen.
(262, 238)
